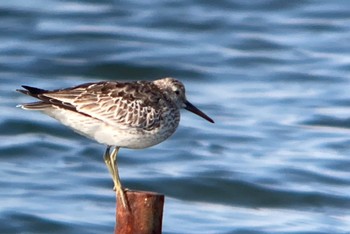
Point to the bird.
(134, 114)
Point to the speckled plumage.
(123, 114)
(105, 111)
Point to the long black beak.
(195, 110)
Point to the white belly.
(99, 131)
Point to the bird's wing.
(123, 105)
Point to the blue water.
(274, 75)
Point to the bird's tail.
(34, 92)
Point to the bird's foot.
(123, 198)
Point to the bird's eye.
(177, 92)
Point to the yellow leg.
(107, 160)
(111, 162)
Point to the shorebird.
(131, 115)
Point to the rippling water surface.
(274, 75)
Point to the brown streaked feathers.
(110, 102)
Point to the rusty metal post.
(144, 215)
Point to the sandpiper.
(132, 115)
